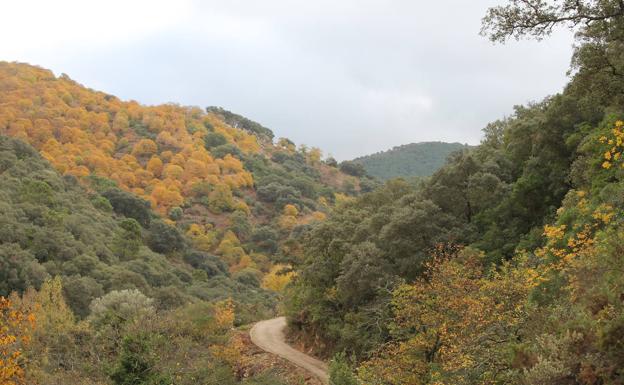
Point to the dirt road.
(269, 336)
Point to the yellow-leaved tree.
(15, 334)
(454, 324)
(278, 277)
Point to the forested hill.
(503, 267)
(409, 160)
(216, 176)
(125, 227)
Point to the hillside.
(216, 175)
(409, 160)
(120, 221)
(503, 267)
(112, 258)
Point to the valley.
(169, 244)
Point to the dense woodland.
(505, 267)
(409, 160)
(136, 241)
(143, 225)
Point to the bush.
(265, 239)
(209, 263)
(339, 371)
(129, 205)
(136, 363)
(80, 292)
(176, 213)
(164, 238)
(352, 168)
(120, 306)
(248, 277)
(102, 204)
(214, 139)
(127, 240)
(224, 149)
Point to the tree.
(537, 18)
(144, 147)
(15, 329)
(221, 199)
(128, 239)
(224, 315)
(52, 312)
(137, 363)
(120, 306)
(352, 168)
(214, 139)
(129, 205)
(79, 291)
(230, 248)
(164, 238)
(155, 166)
(239, 223)
(339, 371)
(278, 278)
(455, 324)
(288, 220)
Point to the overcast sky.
(349, 76)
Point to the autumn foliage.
(15, 334)
(156, 152)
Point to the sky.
(351, 77)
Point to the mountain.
(409, 160)
(216, 176)
(124, 227)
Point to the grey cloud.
(350, 77)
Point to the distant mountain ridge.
(409, 160)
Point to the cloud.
(350, 77)
(49, 25)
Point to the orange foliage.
(81, 140)
(15, 331)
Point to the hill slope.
(137, 237)
(409, 160)
(52, 226)
(216, 175)
(503, 267)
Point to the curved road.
(269, 336)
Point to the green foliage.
(409, 160)
(265, 239)
(80, 291)
(210, 264)
(214, 139)
(127, 239)
(102, 203)
(339, 371)
(56, 229)
(239, 223)
(118, 307)
(353, 259)
(164, 238)
(352, 168)
(137, 363)
(239, 121)
(534, 297)
(226, 149)
(176, 213)
(129, 205)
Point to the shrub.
(339, 371)
(214, 139)
(164, 238)
(136, 364)
(120, 306)
(129, 205)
